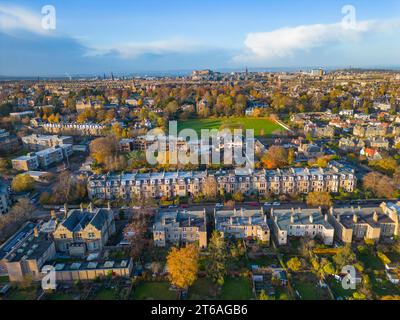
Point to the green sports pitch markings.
(261, 126)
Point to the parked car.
(276, 204)
(253, 204)
(219, 205)
(184, 206)
(173, 206)
(267, 204)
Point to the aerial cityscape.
(192, 161)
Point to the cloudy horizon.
(164, 36)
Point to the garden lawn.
(307, 286)
(154, 291)
(106, 294)
(261, 126)
(264, 261)
(237, 289)
(59, 296)
(370, 260)
(203, 289)
(338, 290)
(4, 279)
(22, 294)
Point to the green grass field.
(261, 126)
(237, 289)
(203, 289)
(154, 291)
(106, 294)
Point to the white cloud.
(14, 18)
(129, 50)
(286, 42)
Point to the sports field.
(261, 126)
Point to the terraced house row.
(189, 183)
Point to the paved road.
(43, 213)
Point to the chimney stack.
(311, 218)
(81, 206)
(65, 210)
(292, 218)
(326, 218)
(108, 205)
(355, 218)
(53, 214)
(375, 216)
(36, 232)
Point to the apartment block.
(5, 200)
(242, 224)
(191, 183)
(180, 227)
(52, 155)
(309, 223)
(26, 163)
(37, 142)
(8, 142)
(362, 223)
(76, 129)
(26, 252)
(393, 211)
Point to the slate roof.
(77, 220)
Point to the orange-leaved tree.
(183, 266)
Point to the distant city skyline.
(138, 37)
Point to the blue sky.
(92, 37)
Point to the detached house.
(372, 154)
(84, 231)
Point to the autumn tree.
(183, 266)
(319, 199)
(379, 184)
(22, 210)
(294, 264)
(136, 233)
(216, 260)
(22, 183)
(4, 164)
(101, 148)
(238, 196)
(275, 157)
(67, 189)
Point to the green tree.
(344, 257)
(217, 257)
